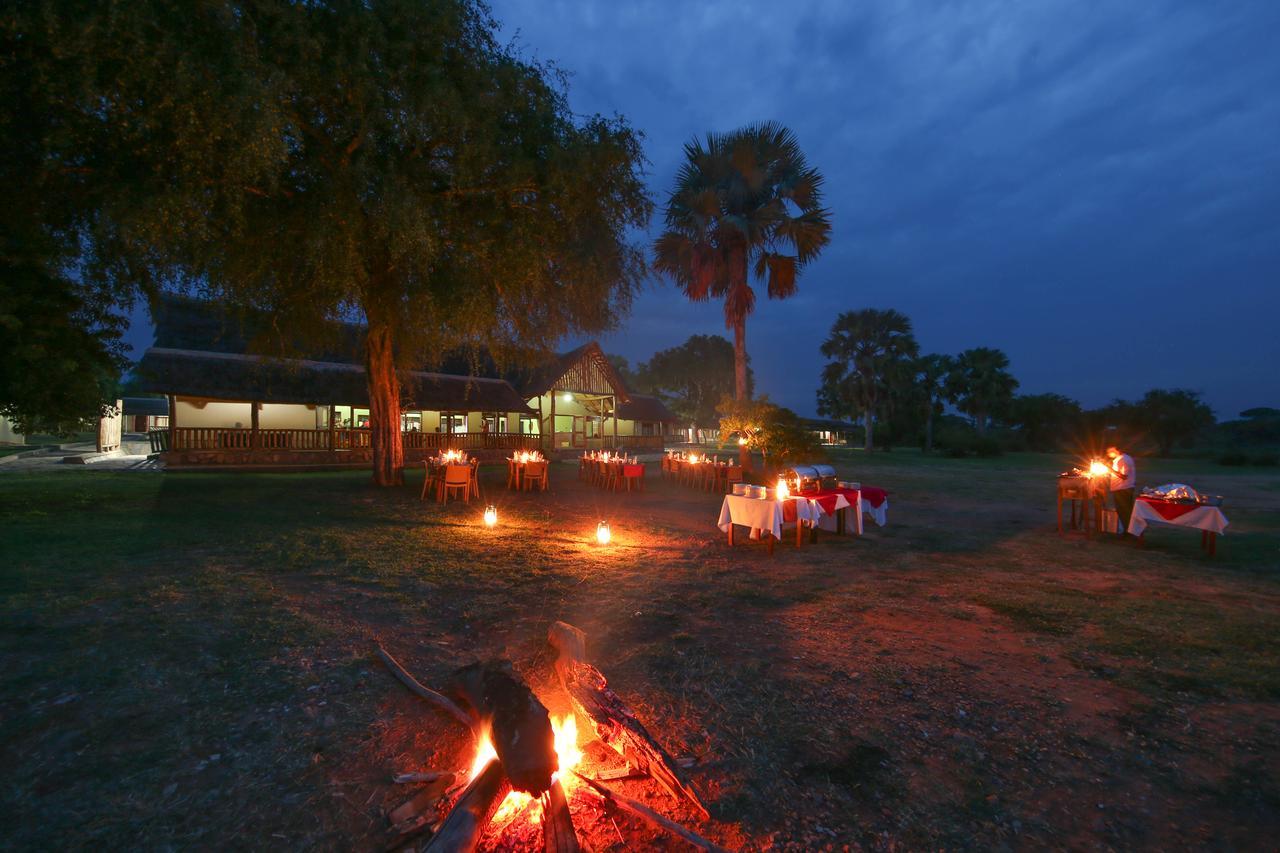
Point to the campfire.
(527, 766)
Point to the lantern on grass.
(490, 516)
(603, 533)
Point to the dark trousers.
(1124, 506)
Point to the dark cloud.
(1093, 187)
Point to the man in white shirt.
(1123, 476)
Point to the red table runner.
(827, 498)
(1169, 510)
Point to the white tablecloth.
(762, 515)
(1202, 517)
(879, 514)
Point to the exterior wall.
(212, 414)
(287, 416)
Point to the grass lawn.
(187, 658)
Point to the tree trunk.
(981, 422)
(866, 426)
(384, 407)
(740, 379)
(928, 431)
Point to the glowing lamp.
(567, 397)
(490, 515)
(782, 491)
(1098, 469)
(742, 441)
(603, 534)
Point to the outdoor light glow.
(568, 398)
(742, 441)
(782, 491)
(1098, 469)
(603, 534)
(490, 515)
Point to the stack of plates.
(849, 484)
(739, 488)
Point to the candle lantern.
(782, 491)
(603, 534)
(490, 515)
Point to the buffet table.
(765, 517)
(1209, 520)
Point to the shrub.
(987, 447)
(1266, 460)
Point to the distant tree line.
(876, 375)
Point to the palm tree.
(980, 384)
(745, 205)
(931, 372)
(865, 348)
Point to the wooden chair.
(475, 477)
(513, 474)
(456, 478)
(535, 473)
(732, 474)
(430, 481)
(584, 468)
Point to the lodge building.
(229, 406)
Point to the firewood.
(519, 724)
(425, 776)
(614, 722)
(466, 821)
(557, 824)
(440, 701)
(422, 800)
(642, 811)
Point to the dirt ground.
(962, 678)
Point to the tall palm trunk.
(740, 391)
(384, 407)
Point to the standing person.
(1123, 476)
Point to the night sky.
(1093, 187)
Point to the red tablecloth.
(827, 498)
(875, 497)
(633, 470)
(1169, 510)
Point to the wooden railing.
(645, 441)
(239, 438)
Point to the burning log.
(518, 723)
(557, 824)
(642, 811)
(614, 722)
(441, 702)
(466, 822)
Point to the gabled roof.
(585, 366)
(145, 406)
(831, 426)
(642, 407)
(235, 376)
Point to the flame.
(782, 491)
(1098, 469)
(568, 756)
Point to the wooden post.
(613, 405)
(253, 425)
(173, 419)
(332, 414)
(542, 431)
(553, 420)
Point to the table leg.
(840, 518)
(731, 534)
(799, 530)
(1059, 513)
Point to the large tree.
(746, 206)
(1171, 416)
(1046, 420)
(693, 378)
(868, 349)
(981, 385)
(929, 380)
(387, 160)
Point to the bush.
(1266, 460)
(1233, 458)
(987, 447)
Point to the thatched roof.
(645, 408)
(145, 406)
(235, 376)
(542, 379)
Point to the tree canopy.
(693, 377)
(385, 159)
(867, 349)
(981, 385)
